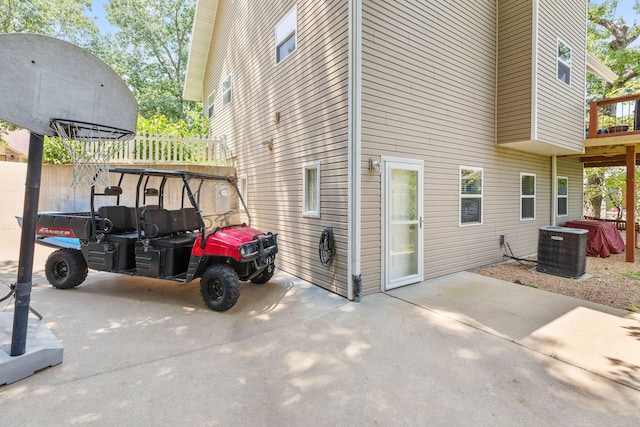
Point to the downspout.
(534, 72)
(354, 148)
(554, 189)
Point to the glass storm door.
(403, 260)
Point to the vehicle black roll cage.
(144, 174)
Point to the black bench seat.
(180, 240)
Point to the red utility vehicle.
(175, 225)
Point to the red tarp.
(604, 238)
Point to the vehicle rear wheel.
(266, 274)
(220, 287)
(66, 268)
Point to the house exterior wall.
(429, 92)
(571, 168)
(309, 91)
(515, 71)
(560, 116)
(533, 104)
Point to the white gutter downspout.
(354, 146)
(534, 74)
(554, 189)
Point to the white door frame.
(390, 163)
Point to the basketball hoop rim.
(106, 132)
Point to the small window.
(243, 187)
(563, 196)
(211, 104)
(527, 196)
(564, 63)
(286, 34)
(470, 195)
(311, 190)
(226, 91)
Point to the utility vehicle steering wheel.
(224, 217)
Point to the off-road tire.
(66, 268)
(220, 287)
(266, 274)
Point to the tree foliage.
(150, 51)
(614, 41)
(64, 19)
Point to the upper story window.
(211, 104)
(286, 34)
(564, 62)
(226, 91)
(311, 189)
(527, 196)
(563, 196)
(470, 195)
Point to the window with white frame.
(470, 195)
(285, 34)
(527, 196)
(311, 189)
(226, 91)
(564, 62)
(243, 187)
(211, 103)
(563, 196)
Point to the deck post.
(631, 203)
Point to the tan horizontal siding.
(309, 90)
(561, 107)
(573, 170)
(514, 98)
(419, 108)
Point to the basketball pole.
(27, 245)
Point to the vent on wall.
(562, 251)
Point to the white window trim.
(562, 196)
(470, 196)
(230, 89)
(211, 104)
(243, 186)
(278, 42)
(523, 196)
(305, 168)
(559, 60)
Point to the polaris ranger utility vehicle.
(173, 225)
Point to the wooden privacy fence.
(150, 149)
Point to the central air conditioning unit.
(562, 251)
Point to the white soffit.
(201, 34)
(600, 70)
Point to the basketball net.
(90, 147)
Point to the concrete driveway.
(459, 350)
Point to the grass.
(633, 275)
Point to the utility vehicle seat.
(170, 228)
(123, 218)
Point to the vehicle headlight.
(248, 249)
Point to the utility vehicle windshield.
(219, 202)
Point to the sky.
(98, 11)
(625, 10)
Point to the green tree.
(64, 19)
(150, 51)
(613, 40)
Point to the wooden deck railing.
(614, 117)
(151, 149)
